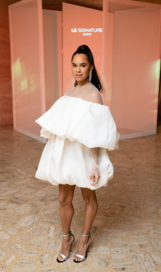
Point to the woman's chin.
(81, 80)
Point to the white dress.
(73, 126)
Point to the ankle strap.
(86, 235)
(67, 234)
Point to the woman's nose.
(78, 69)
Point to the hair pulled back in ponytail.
(84, 49)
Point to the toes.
(77, 259)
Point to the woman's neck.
(82, 85)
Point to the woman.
(80, 131)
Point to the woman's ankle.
(66, 238)
(84, 240)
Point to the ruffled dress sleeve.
(76, 119)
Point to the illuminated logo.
(87, 31)
(73, 29)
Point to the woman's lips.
(78, 75)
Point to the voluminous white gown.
(73, 126)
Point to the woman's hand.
(95, 175)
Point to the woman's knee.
(65, 201)
(66, 194)
(88, 198)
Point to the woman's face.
(81, 68)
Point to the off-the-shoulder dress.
(75, 125)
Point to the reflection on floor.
(125, 131)
(126, 235)
(159, 129)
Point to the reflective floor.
(126, 235)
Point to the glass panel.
(52, 27)
(107, 58)
(136, 68)
(27, 66)
(78, 29)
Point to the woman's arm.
(95, 154)
(95, 175)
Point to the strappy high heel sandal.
(81, 256)
(62, 255)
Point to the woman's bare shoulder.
(94, 95)
(69, 91)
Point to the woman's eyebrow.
(80, 63)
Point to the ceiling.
(57, 4)
(95, 4)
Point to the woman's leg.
(91, 207)
(66, 193)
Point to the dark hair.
(84, 49)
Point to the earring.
(90, 76)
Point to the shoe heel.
(62, 255)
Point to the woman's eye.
(83, 65)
